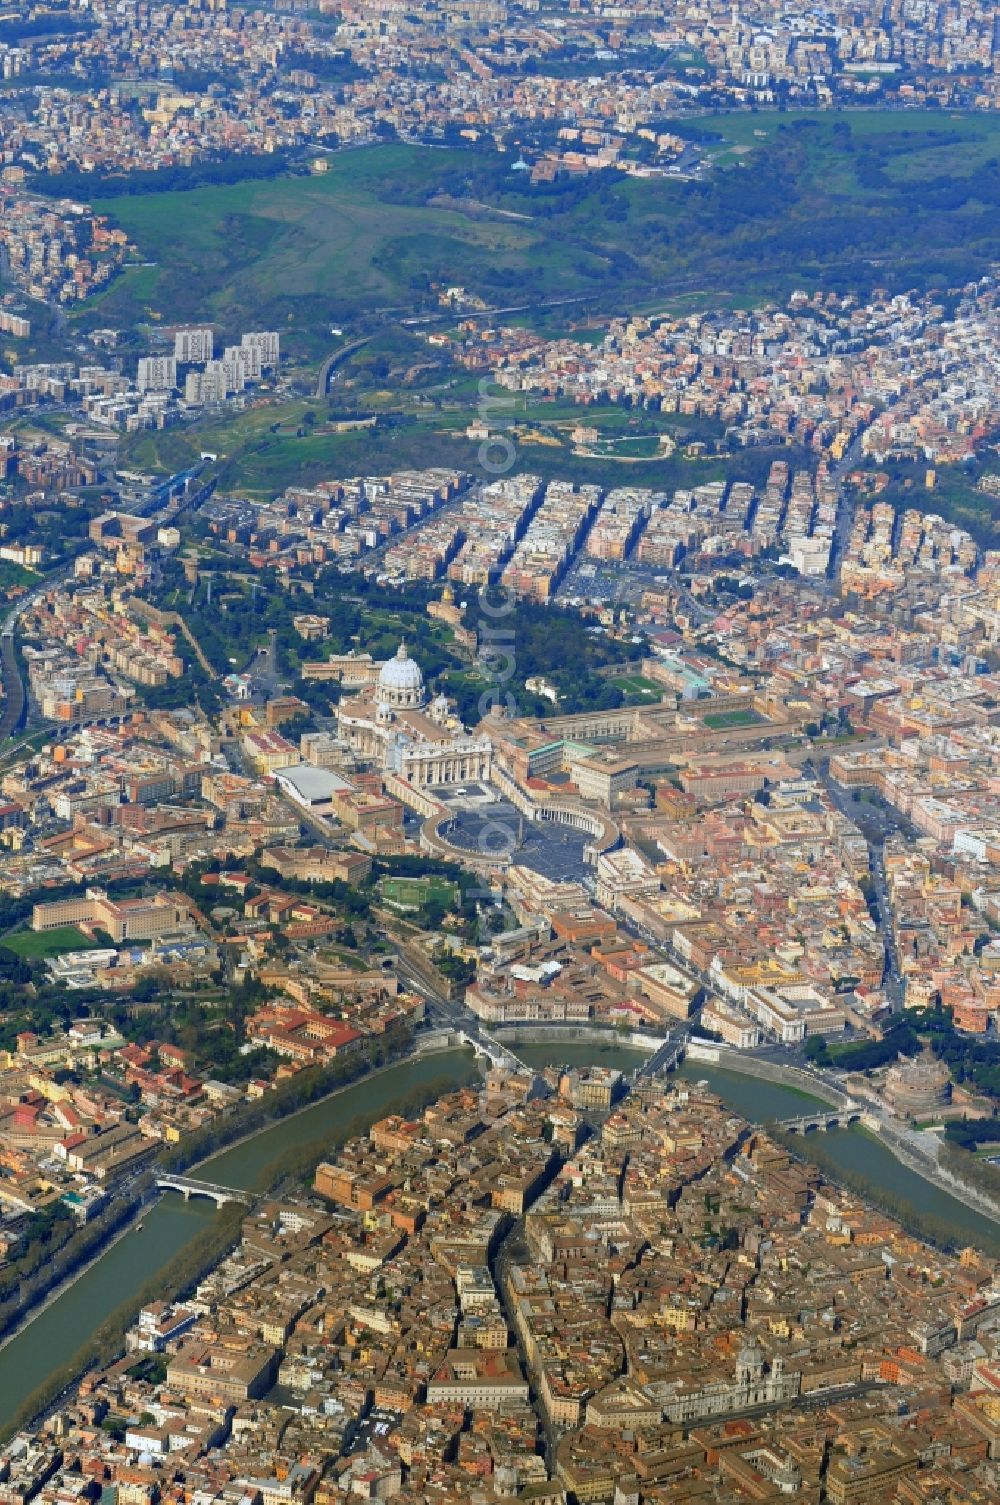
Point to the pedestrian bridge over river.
(829, 1118)
(498, 1055)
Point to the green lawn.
(840, 200)
(638, 684)
(267, 449)
(42, 943)
(411, 893)
(348, 959)
(722, 719)
(12, 574)
(281, 426)
(742, 128)
(138, 283)
(801, 199)
(300, 253)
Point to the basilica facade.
(392, 725)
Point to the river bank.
(931, 1171)
(576, 1034)
(819, 1092)
(792, 1077)
(131, 1213)
(188, 1266)
(415, 1053)
(54, 1292)
(175, 1275)
(62, 1326)
(115, 1219)
(763, 1092)
(861, 1155)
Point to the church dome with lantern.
(400, 683)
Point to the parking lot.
(374, 1428)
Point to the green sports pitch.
(413, 893)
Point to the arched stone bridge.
(819, 1122)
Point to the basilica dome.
(400, 682)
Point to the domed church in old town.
(392, 725)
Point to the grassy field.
(261, 453)
(723, 719)
(919, 126)
(795, 199)
(411, 893)
(34, 944)
(638, 687)
(268, 448)
(12, 575)
(306, 251)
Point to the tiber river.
(56, 1334)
